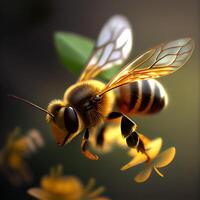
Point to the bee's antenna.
(30, 103)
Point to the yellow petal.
(101, 198)
(145, 139)
(165, 158)
(143, 175)
(39, 193)
(90, 185)
(153, 148)
(158, 172)
(96, 192)
(132, 152)
(63, 185)
(36, 136)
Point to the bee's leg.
(84, 147)
(142, 149)
(128, 130)
(127, 126)
(114, 115)
(133, 140)
(100, 135)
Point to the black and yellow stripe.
(142, 97)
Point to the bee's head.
(65, 121)
(54, 108)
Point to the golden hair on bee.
(53, 105)
(80, 97)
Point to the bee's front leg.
(85, 145)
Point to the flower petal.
(153, 148)
(38, 193)
(143, 175)
(165, 158)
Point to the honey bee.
(90, 102)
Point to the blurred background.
(30, 68)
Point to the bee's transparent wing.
(162, 60)
(112, 47)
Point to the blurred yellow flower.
(156, 160)
(55, 186)
(14, 152)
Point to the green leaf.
(73, 50)
(110, 73)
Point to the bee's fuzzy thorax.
(78, 95)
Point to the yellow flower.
(58, 187)
(27, 144)
(14, 160)
(12, 156)
(156, 160)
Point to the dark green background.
(30, 68)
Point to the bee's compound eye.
(70, 119)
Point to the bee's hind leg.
(142, 149)
(85, 145)
(128, 130)
(114, 115)
(133, 140)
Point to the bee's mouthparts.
(65, 140)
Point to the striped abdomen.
(142, 97)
